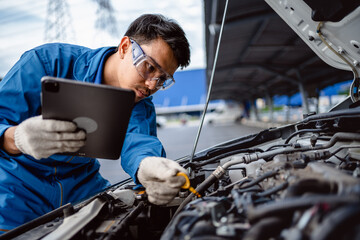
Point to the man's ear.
(124, 46)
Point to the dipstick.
(187, 184)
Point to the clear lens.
(141, 68)
(148, 70)
(167, 84)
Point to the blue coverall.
(30, 188)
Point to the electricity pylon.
(58, 26)
(106, 20)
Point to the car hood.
(339, 24)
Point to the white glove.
(41, 138)
(158, 176)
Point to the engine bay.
(300, 181)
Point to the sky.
(23, 23)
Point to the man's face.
(127, 74)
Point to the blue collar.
(99, 72)
(88, 64)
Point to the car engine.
(300, 181)
(304, 186)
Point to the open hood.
(339, 24)
(330, 29)
(261, 54)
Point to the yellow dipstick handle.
(187, 184)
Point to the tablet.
(102, 111)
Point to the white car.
(161, 121)
(224, 113)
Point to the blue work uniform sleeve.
(141, 140)
(20, 91)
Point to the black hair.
(149, 27)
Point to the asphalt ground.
(178, 141)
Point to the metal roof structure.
(260, 55)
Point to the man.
(33, 178)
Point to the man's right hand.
(159, 177)
(42, 138)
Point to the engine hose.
(339, 136)
(170, 231)
(259, 179)
(304, 131)
(338, 223)
(256, 188)
(267, 228)
(273, 190)
(195, 165)
(311, 186)
(288, 206)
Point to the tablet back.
(102, 111)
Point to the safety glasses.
(149, 69)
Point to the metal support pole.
(254, 109)
(304, 95)
(288, 109)
(269, 102)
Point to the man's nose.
(151, 84)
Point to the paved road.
(179, 141)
